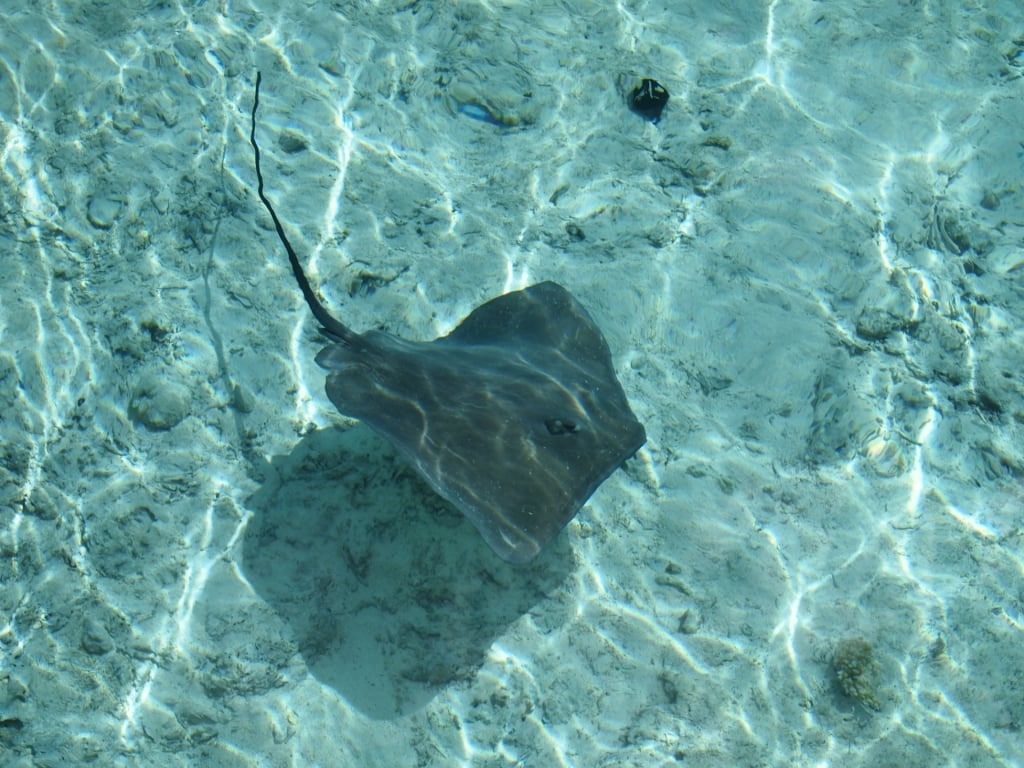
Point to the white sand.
(811, 274)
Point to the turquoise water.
(811, 276)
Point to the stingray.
(515, 417)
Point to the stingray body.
(515, 417)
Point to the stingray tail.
(332, 327)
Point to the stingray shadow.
(389, 591)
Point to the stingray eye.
(561, 426)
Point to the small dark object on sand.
(649, 99)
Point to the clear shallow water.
(810, 276)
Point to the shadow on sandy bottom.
(390, 593)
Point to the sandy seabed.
(811, 276)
